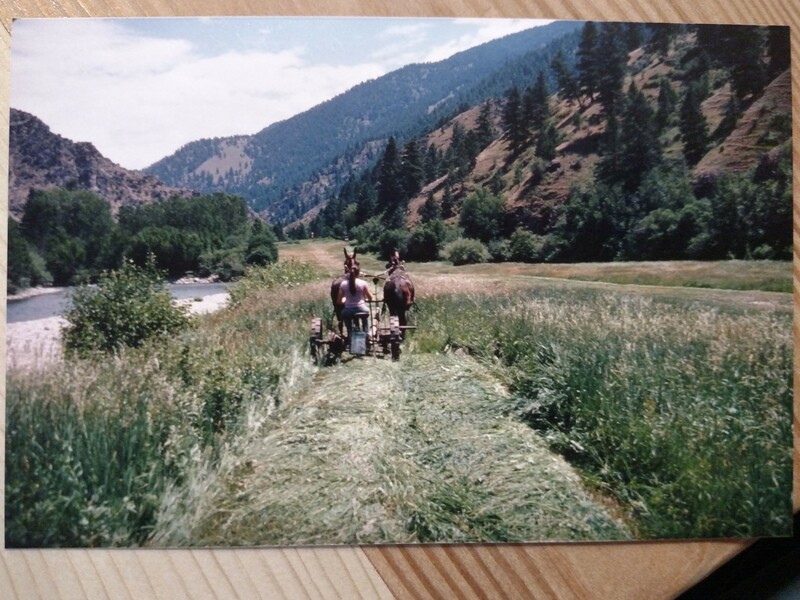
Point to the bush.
(128, 307)
(526, 246)
(73, 231)
(226, 263)
(262, 250)
(26, 267)
(368, 233)
(391, 240)
(466, 251)
(176, 250)
(425, 241)
(482, 215)
(500, 250)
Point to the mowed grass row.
(383, 452)
(681, 410)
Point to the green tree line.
(67, 237)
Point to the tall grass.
(681, 411)
(93, 446)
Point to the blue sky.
(138, 89)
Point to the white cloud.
(406, 30)
(481, 31)
(139, 99)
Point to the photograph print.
(322, 281)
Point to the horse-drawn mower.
(383, 334)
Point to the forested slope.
(647, 143)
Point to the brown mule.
(398, 290)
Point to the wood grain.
(621, 570)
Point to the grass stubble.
(675, 410)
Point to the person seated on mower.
(353, 295)
(394, 262)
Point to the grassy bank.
(676, 407)
(766, 276)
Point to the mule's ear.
(346, 256)
(354, 253)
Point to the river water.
(56, 303)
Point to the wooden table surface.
(620, 570)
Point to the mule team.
(398, 289)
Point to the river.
(55, 304)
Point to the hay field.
(523, 408)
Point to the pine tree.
(391, 195)
(513, 120)
(633, 36)
(547, 142)
(611, 70)
(459, 154)
(588, 60)
(748, 73)
(566, 80)
(778, 49)
(538, 108)
(640, 150)
(666, 102)
(694, 128)
(430, 210)
(448, 203)
(366, 203)
(661, 38)
(728, 123)
(608, 168)
(432, 163)
(485, 129)
(740, 50)
(411, 169)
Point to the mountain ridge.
(40, 159)
(403, 102)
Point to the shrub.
(482, 215)
(425, 241)
(368, 233)
(538, 170)
(391, 240)
(26, 266)
(176, 250)
(262, 250)
(526, 246)
(226, 263)
(466, 251)
(128, 307)
(500, 250)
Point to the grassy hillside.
(671, 155)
